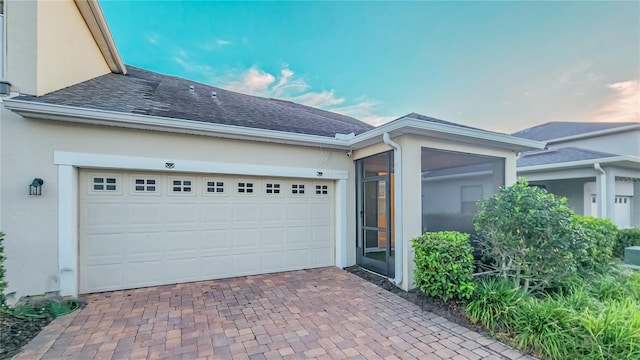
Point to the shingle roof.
(149, 93)
(560, 129)
(561, 155)
(438, 121)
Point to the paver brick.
(324, 313)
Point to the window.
(245, 188)
(272, 188)
(322, 189)
(145, 185)
(181, 186)
(297, 189)
(215, 187)
(104, 184)
(470, 195)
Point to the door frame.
(387, 267)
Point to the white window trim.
(68, 202)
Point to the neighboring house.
(151, 179)
(596, 166)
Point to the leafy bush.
(3, 283)
(529, 236)
(444, 264)
(492, 304)
(626, 238)
(595, 247)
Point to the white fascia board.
(409, 125)
(100, 161)
(595, 133)
(148, 122)
(580, 163)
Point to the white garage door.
(145, 229)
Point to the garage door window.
(297, 189)
(181, 186)
(245, 188)
(215, 187)
(145, 185)
(322, 190)
(104, 184)
(272, 188)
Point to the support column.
(68, 230)
(411, 204)
(635, 204)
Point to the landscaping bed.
(16, 333)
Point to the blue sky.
(502, 66)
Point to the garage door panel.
(145, 214)
(216, 213)
(182, 214)
(274, 213)
(298, 212)
(216, 240)
(245, 238)
(144, 273)
(274, 237)
(272, 261)
(144, 244)
(246, 263)
(157, 235)
(184, 241)
(298, 259)
(105, 214)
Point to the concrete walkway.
(323, 313)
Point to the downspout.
(602, 198)
(397, 206)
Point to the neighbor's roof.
(149, 93)
(562, 129)
(557, 156)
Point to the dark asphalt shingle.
(557, 156)
(560, 129)
(148, 93)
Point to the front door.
(375, 244)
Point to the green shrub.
(492, 304)
(529, 235)
(545, 327)
(594, 249)
(626, 238)
(444, 264)
(3, 283)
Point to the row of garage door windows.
(145, 185)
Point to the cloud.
(624, 104)
(254, 81)
(153, 39)
(287, 85)
(215, 44)
(222, 42)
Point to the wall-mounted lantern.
(36, 187)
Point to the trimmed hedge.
(626, 238)
(594, 249)
(444, 264)
(3, 283)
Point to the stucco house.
(596, 166)
(143, 179)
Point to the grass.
(589, 319)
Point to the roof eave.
(94, 18)
(409, 125)
(613, 160)
(147, 122)
(596, 133)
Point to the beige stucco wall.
(626, 143)
(49, 47)
(30, 222)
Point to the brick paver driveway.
(323, 313)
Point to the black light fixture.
(36, 187)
